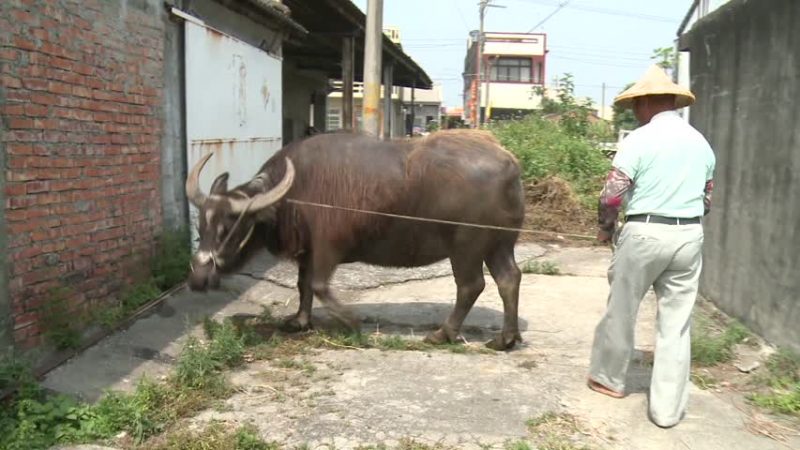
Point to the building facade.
(514, 68)
(104, 104)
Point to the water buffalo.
(453, 175)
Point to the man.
(664, 170)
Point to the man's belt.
(649, 218)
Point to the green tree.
(665, 57)
(623, 117)
(574, 113)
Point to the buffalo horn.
(193, 192)
(266, 199)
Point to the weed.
(703, 381)
(710, 347)
(518, 445)
(304, 366)
(555, 431)
(545, 148)
(214, 437)
(541, 268)
(783, 382)
(34, 420)
(170, 265)
(58, 319)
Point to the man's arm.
(617, 184)
(707, 196)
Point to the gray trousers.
(669, 258)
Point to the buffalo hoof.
(504, 341)
(346, 318)
(439, 337)
(293, 325)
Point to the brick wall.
(81, 108)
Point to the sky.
(597, 41)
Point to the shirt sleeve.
(627, 158)
(617, 184)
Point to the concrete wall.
(173, 150)
(299, 89)
(745, 71)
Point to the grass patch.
(279, 347)
(783, 384)
(169, 266)
(712, 346)
(703, 380)
(215, 436)
(62, 330)
(33, 419)
(556, 431)
(541, 268)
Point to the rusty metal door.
(233, 106)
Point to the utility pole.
(372, 67)
(479, 71)
(482, 11)
(603, 106)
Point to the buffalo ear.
(220, 185)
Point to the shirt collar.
(664, 115)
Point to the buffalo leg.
(324, 265)
(302, 320)
(507, 275)
(468, 273)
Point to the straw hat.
(655, 82)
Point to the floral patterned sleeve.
(707, 196)
(617, 184)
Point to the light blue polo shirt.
(669, 162)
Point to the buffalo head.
(226, 221)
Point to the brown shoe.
(597, 387)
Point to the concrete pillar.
(388, 103)
(348, 64)
(373, 49)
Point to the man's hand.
(604, 236)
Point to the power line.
(612, 12)
(560, 6)
(460, 14)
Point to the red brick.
(9, 54)
(35, 84)
(13, 109)
(34, 187)
(7, 81)
(16, 123)
(61, 63)
(44, 99)
(60, 88)
(24, 44)
(81, 91)
(33, 110)
(40, 33)
(24, 16)
(13, 189)
(46, 124)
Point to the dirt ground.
(345, 398)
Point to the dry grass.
(552, 205)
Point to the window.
(511, 69)
(538, 73)
(334, 121)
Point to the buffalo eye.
(221, 232)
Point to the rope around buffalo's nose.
(439, 221)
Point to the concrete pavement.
(354, 397)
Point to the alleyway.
(353, 397)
